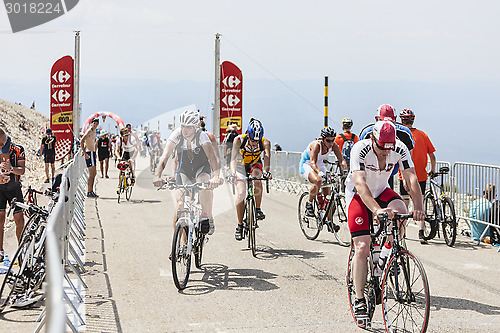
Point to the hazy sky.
(440, 42)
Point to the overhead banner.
(61, 104)
(231, 97)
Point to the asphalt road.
(293, 285)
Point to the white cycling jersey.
(363, 158)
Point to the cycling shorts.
(403, 191)
(242, 173)
(8, 192)
(305, 169)
(126, 156)
(49, 156)
(360, 218)
(189, 176)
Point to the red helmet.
(407, 114)
(123, 165)
(386, 112)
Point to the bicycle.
(402, 287)
(124, 180)
(439, 208)
(312, 226)
(250, 213)
(155, 159)
(189, 233)
(30, 197)
(26, 272)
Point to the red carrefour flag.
(231, 97)
(61, 104)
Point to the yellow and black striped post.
(326, 101)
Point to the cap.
(48, 130)
(385, 134)
(6, 147)
(386, 112)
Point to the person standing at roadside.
(88, 146)
(48, 147)
(11, 169)
(347, 138)
(104, 152)
(423, 147)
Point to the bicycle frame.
(192, 208)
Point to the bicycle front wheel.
(405, 294)
(181, 260)
(120, 185)
(251, 226)
(430, 228)
(128, 190)
(449, 223)
(15, 281)
(343, 235)
(309, 225)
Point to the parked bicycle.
(30, 197)
(250, 214)
(189, 233)
(124, 180)
(439, 209)
(329, 210)
(401, 285)
(27, 268)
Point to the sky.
(142, 58)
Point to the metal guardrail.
(65, 247)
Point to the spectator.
(104, 152)
(480, 210)
(348, 137)
(11, 169)
(48, 149)
(277, 147)
(423, 147)
(88, 146)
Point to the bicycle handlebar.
(172, 185)
(233, 179)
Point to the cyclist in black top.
(48, 149)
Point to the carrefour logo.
(26, 14)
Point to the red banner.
(61, 104)
(231, 97)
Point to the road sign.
(61, 104)
(231, 96)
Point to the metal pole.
(216, 110)
(326, 101)
(76, 92)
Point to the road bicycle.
(189, 233)
(27, 268)
(402, 287)
(325, 206)
(154, 161)
(439, 209)
(30, 197)
(250, 212)
(124, 180)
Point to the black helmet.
(327, 132)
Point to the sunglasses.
(380, 147)
(329, 140)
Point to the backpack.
(346, 148)
(495, 219)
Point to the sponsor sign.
(231, 96)
(61, 104)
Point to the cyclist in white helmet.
(195, 162)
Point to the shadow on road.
(268, 253)
(439, 302)
(220, 277)
(132, 201)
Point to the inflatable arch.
(103, 115)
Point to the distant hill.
(25, 127)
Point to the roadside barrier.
(65, 245)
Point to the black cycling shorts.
(49, 156)
(188, 176)
(8, 192)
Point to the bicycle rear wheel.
(181, 260)
(430, 228)
(449, 224)
(369, 292)
(251, 225)
(343, 236)
(198, 250)
(309, 225)
(405, 294)
(15, 281)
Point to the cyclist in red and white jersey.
(368, 194)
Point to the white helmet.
(190, 118)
